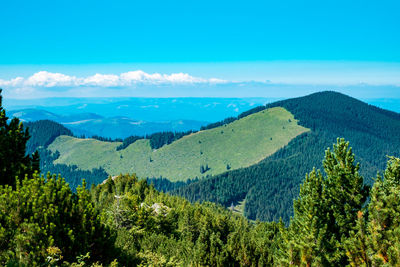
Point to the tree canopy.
(14, 162)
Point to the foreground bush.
(42, 218)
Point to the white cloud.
(104, 80)
(183, 77)
(49, 79)
(44, 79)
(13, 82)
(140, 76)
(157, 78)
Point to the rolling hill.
(32, 114)
(239, 144)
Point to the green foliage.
(219, 123)
(73, 175)
(165, 185)
(162, 230)
(346, 194)
(384, 217)
(375, 239)
(42, 218)
(306, 241)
(128, 141)
(43, 133)
(356, 245)
(327, 213)
(13, 159)
(158, 140)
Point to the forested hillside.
(44, 132)
(269, 186)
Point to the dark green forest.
(44, 132)
(269, 186)
(73, 175)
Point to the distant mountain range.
(90, 124)
(144, 109)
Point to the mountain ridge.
(270, 186)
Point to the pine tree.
(356, 245)
(42, 214)
(345, 194)
(325, 214)
(13, 159)
(384, 218)
(305, 241)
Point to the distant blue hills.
(147, 109)
(123, 117)
(90, 124)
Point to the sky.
(197, 48)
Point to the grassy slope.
(239, 144)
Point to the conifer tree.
(356, 245)
(384, 218)
(305, 241)
(13, 159)
(325, 214)
(42, 214)
(345, 195)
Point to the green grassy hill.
(241, 143)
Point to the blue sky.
(300, 42)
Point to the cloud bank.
(284, 82)
(46, 79)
